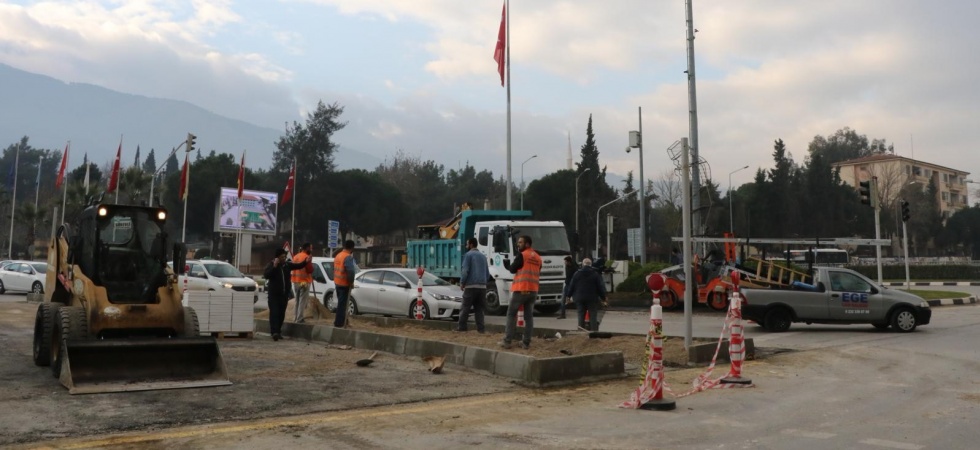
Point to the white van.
(323, 281)
(214, 275)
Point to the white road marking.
(891, 444)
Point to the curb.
(524, 369)
(952, 301)
(932, 283)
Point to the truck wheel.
(668, 300)
(192, 326)
(547, 310)
(904, 320)
(493, 302)
(718, 301)
(43, 332)
(70, 323)
(778, 320)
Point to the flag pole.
(64, 195)
(292, 228)
(119, 176)
(507, 51)
(37, 182)
(13, 207)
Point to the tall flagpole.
(37, 182)
(292, 229)
(119, 174)
(507, 51)
(64, 182)
(13, 207)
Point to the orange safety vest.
(526, 278)
(301, 275)
(339, 272)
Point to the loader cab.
(123, 249)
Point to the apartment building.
(894, 172)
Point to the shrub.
(636, 281)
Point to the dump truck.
(112, 318)
(441, 247)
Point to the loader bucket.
(95, 366)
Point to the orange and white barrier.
(520, 316)
(650, 394)
(419, 303)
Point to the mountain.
(50, 112)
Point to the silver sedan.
(393, 292)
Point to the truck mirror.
(180, 258)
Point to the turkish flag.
(500, 52)
(288, 194)
(182, 192)
(114, 179)
(61, 171)
(241, 177)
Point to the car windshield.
(40, 267)
(545, 240)
(428, 279)
(222, 270)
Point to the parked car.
(323, 284)
(393, 292)
(23, 276)
(214, 275)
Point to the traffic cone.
(520, 316)
(736, 345)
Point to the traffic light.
(865, 192)
(905, 211)
(190, 142)
(868, 190)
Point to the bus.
(833, 257)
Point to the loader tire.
(71, 323)
(192, 327)
(44, 332)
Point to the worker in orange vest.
(302, 278)
(344, 269)
(523, 292)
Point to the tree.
(847, 144)
(376, 208)
(423, 188)
(593, 189)
(311, 145)
(150, 163)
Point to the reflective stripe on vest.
(301, 275)
(526, 278)
(339, 271)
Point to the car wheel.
(778, 320)
(43, 332)
(2, 289)
(37, 288)
(328, 301)
(718, 301)
(880, 326)
(904, 320)
(413, 309)
(668, 300)
(493, 301)
(351, 306)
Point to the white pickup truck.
(837, 296)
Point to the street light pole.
(636, 140)
(731, 216)
(627, 194)
(522, 179)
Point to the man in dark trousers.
(344, 269)
(523, 291)
(588, 290)
(570, 269)
(473, 279)
(277, 274)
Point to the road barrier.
(520, 315)
(419, 312)
(650, 394)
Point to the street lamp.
(636, 140)
(522, 179)
(731, 217)
(576, 197)
(626, 194)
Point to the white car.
(214, 275)
(323, 281)
(23, 276)
(393, 292)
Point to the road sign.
(333, 234)
(633, 243)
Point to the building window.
(945, 196)
(916, 170)
(945, 178)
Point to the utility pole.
(692, 102)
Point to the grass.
(933, 295)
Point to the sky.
(418, 76)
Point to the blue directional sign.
(333, 234)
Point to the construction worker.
(344, 269)
(524, 291)
(302, 278)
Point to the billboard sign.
(256, 213)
